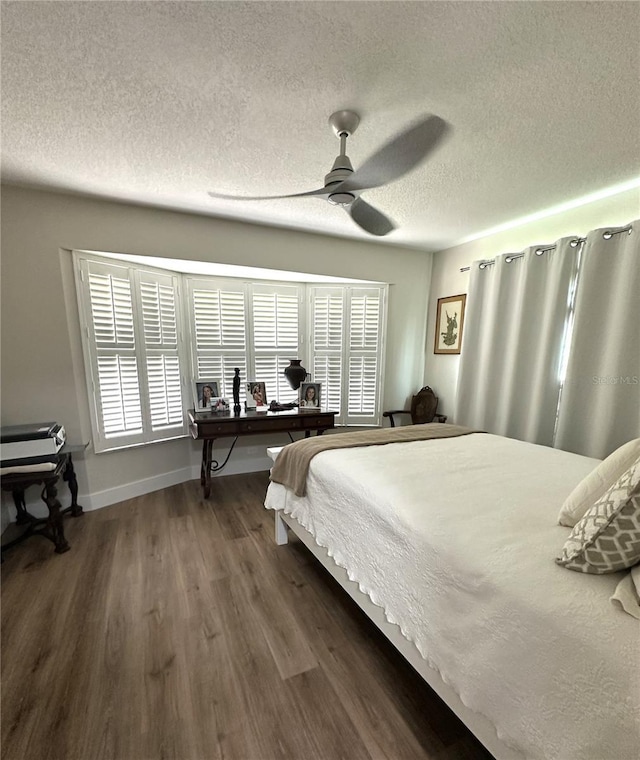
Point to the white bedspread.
(456, 540)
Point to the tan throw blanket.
(292, 463)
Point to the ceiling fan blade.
(401, 154)
(369, 218)
(319, 193)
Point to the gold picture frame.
(449, 324)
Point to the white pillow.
(598, 482)
(607, 539)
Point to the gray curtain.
(600, 402)
(517, 310)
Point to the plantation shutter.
(276, 337)
(130, 318)
(160, 331)
(346, 347)
(365, 332)
(113, 362)
(135, 346)
(219, 328)
(327, 343)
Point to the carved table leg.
(69, 476)
(54, 528)
(23, 517)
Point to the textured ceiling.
(159, 102)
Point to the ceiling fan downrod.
(343, 124)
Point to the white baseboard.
(109, 496)
(99, 499)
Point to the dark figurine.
(236, 391)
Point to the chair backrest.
(423, 406)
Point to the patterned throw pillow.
(607, 538)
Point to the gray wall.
(42, 370)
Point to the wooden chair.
(423, 408)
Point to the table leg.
(22, 516)
(69, 475)
(205, 472)
(54, 528)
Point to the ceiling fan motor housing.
(341, 170)
(341, 199)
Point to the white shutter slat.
(219, 319)
(363, 380)
(327, 322)
(276, 336)
(159, 314)
(165, 392)
(134, 352)
(162, 363)
(270, 370)
(365, 322)
(275, 320)
(221, 367)
(119, 388)
(364, 346)
(111, 310)
(346, 349)
(328, 371)
(112, 323)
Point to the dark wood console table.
(209, 425)
(50, 527)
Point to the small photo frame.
(449, 323)
(205, 391)
(256, 394)
(310, 396)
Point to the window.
(252, 326)
(131, 319)
(140, 363)
(276, 331)
(218, 323)
(346, 347)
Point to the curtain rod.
(607, 235)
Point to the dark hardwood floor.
(176, 628)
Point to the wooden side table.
(207, 426)
(50, 527)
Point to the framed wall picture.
(449, 324)
(256, 394)
(204, 393)
(310, 395)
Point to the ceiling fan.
(343, 185)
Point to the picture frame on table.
(449, 324)
(310, 396)
(204, 393)
(256, 394)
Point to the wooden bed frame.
(480, 726)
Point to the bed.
(448, 545)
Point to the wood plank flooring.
(176, 628)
